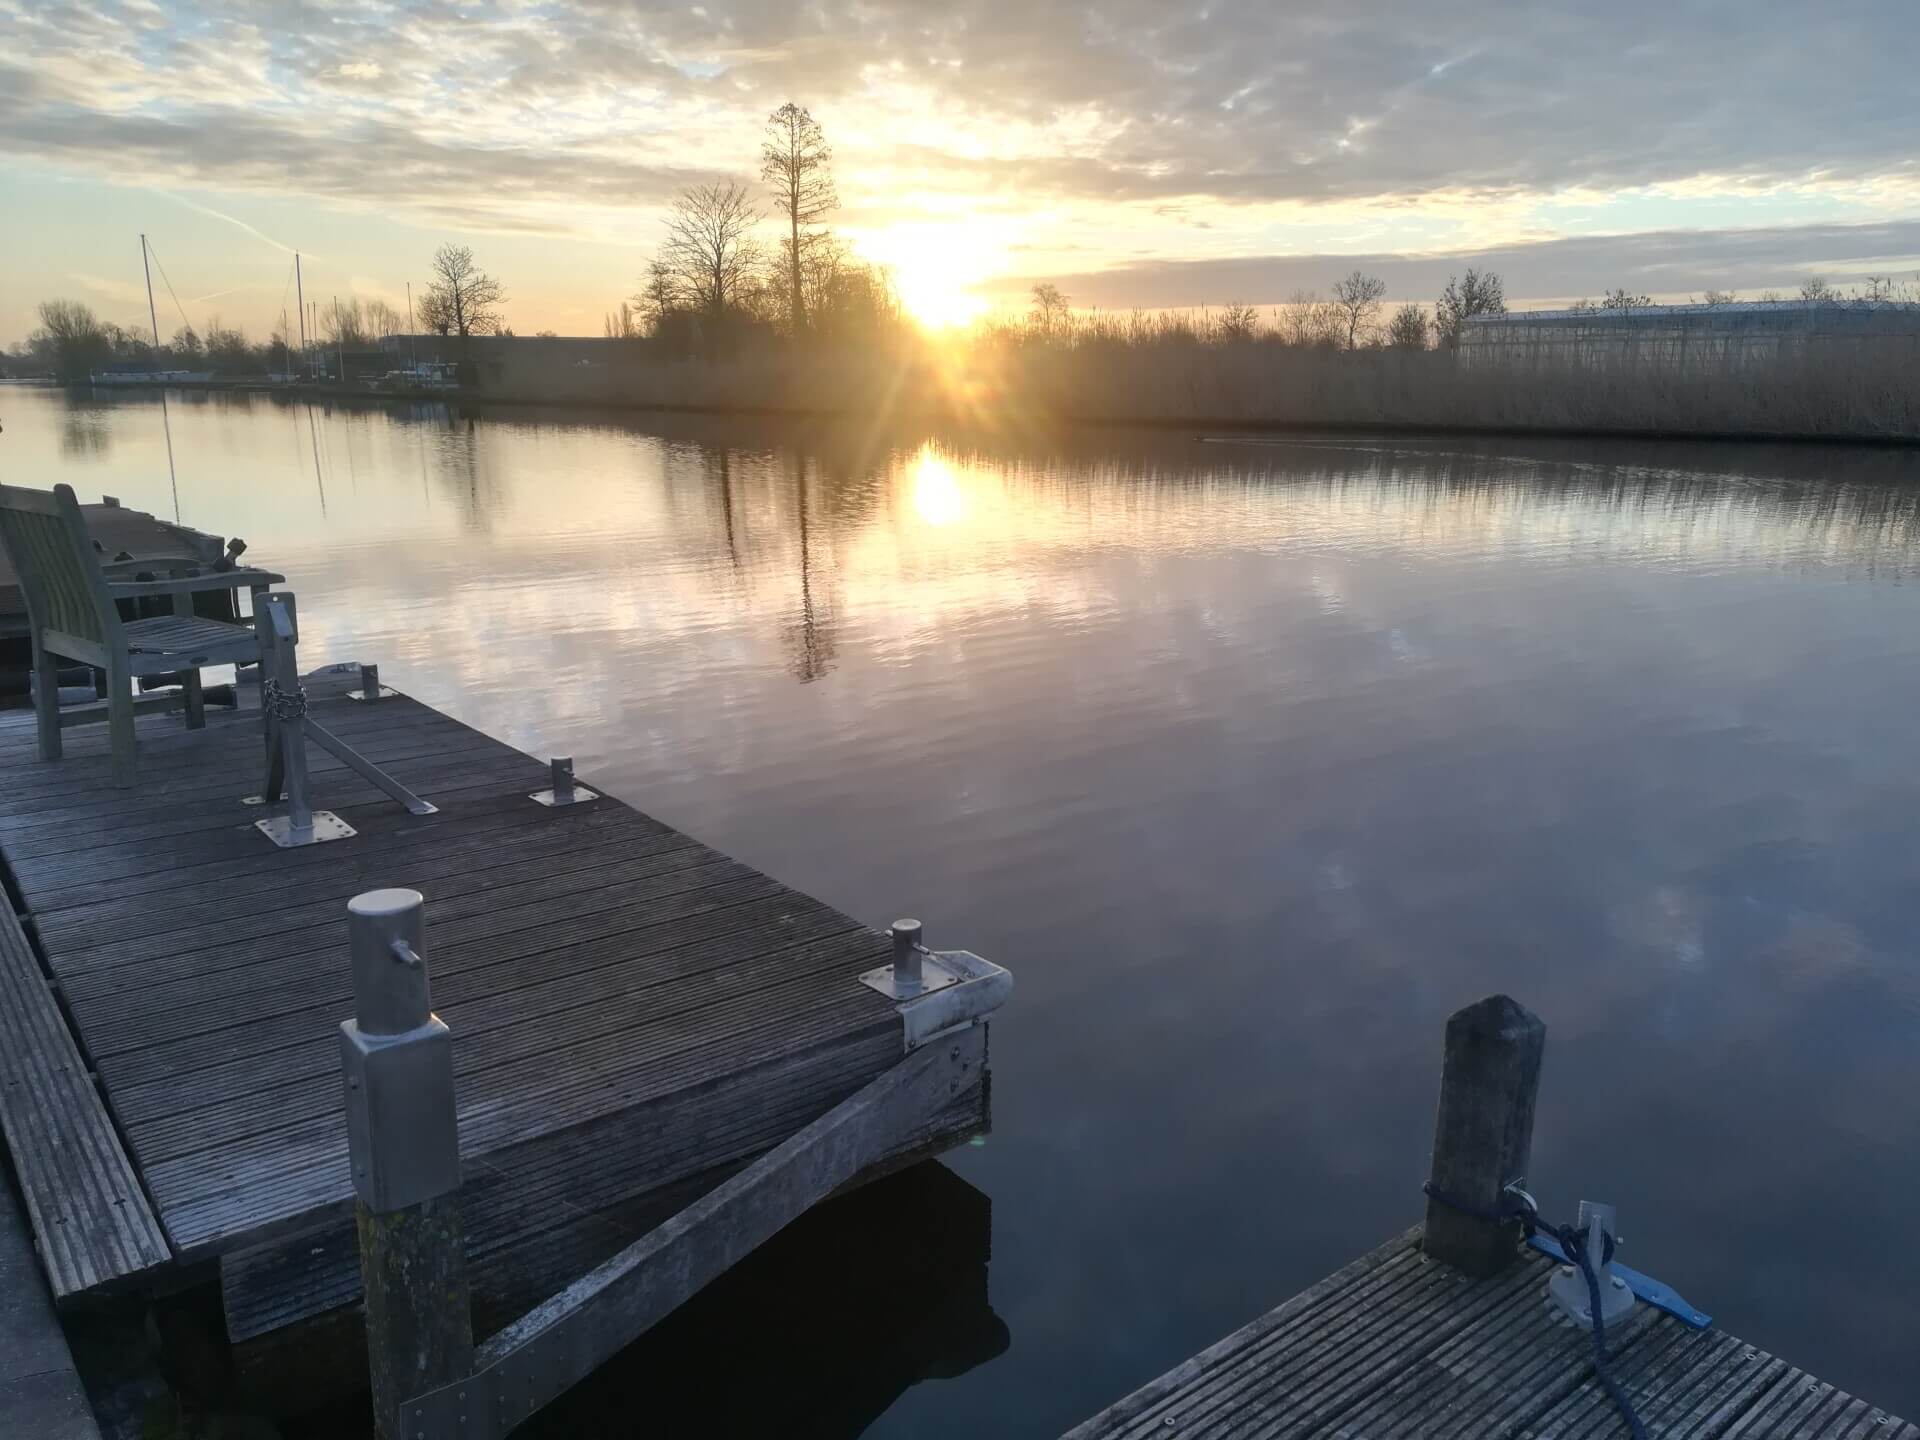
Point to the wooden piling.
(1483, 1134)
(413, 1265)
(397, 1060)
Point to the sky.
(1137, 153)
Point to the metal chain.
(283, 704)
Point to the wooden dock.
(1449, 1331)
(635, 1016)
(1398, 1344)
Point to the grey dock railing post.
(402, 1138)
(1483, 1134)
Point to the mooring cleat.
(1568, 1287)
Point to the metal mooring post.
(397, 1059)
(1483, 1134)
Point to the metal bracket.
(370, 686)
(563, 790)
(1567, 1289)
(937, 990)
(326, 826)
(579, 795)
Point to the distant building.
(1740, 332)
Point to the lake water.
(1252, 760)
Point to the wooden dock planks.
(91, 1223)
(1399, 1345)
(629, 1007)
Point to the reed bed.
(1168, 372)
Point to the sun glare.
(937, 492)
(935, 266)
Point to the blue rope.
(1574, 1243)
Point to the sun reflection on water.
(938, 496)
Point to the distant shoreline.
(1223, 428)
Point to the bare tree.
(1717, 297)
(1306, 321)
(383, 319)
(1237, 324)
(793, 161)
(710, 259)
(624, 323)
(659, 297)
(434, 316)
(1475, 293)
(462, 299)
(1883, 288)
(341, 324)
(1819, 290)
(1358, 297)
(1408, 329)
(1622, 300)
(1048, 308)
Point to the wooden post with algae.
(397, 1059)
(1483, 1134)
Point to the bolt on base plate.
(385, 691)
(326, 826)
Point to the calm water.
(1252, 761)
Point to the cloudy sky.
(1139, 152)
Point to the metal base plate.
(385, 691)
(326, 826)
(935, 974)
(1568, 1292)
(580, 793)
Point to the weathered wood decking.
(633, 1013)
(1397, 1344)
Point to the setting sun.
(935, 265)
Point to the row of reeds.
(1161, 371)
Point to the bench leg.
(196, 699)
(120, 724)
(190, 679)
(46, 700)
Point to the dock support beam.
(402, 1137)
(1483, 1135)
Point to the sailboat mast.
(153, 316)
(413, 341)
(300, 295)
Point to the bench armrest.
(238, 579)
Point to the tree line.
(71, 341)
(1349, 317)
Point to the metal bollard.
(561, 789)
(404, 1145)
(906, 953)
(369, 682)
